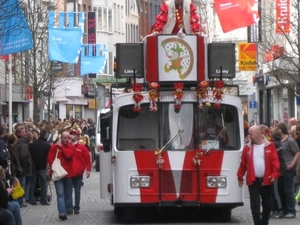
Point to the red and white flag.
(282, 19)
(234, 14)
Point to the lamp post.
(10, 93)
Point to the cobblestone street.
(93, 211)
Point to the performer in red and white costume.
(177, 14)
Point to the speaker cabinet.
(129, 58)
(221, 55)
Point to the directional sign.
(252, 104)
(236, 82)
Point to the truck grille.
(176, 182)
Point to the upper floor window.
(104, 18)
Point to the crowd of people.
(26, 157)
(270, 162)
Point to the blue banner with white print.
(15, 35)
(65, 39)
(93, 58)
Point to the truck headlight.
(139, 181)
(216, 182)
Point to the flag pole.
(10, 94)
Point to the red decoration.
(218, 93)
(178, 94)
(153, 95)
(202, 92)
(197, 158)
(137, 97)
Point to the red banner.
(283, 13)
(274, 52)
(28, 92)
(6, 57)
(234, 14)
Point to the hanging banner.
(28, 92)
(15, 33)
(65, 41)
(234, 14)
(247, 56)
(275, 52)
(92, 35)
(93, 58)
(282, 20)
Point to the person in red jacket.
(260, 160)
(65, 151)
(81, 162)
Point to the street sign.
(252, 104)
(237, 82)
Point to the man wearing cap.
(81, 162)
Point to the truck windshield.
(188, 128)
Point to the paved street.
(93, 212)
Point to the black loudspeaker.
(129, 58)
(221, 55)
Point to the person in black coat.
(277, 192)
(6, 216)
(21, 151)
(4, 155)
(39, 151)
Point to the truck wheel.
(224, 215)
(130, 215)
(118, 211)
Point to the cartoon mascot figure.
(218, 93)
(203, 93)
(153, 96)
(137, 97)
(178, 94)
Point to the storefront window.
(73, 111)
(69, 111)
(78, 111)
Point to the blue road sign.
(252, 104)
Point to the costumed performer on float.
(176, 15)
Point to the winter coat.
(3, 195)
(14, 162)
(3, 154)
(81, 160)
(272, 164)
(21, 151)
(39, 151)
(65, 154)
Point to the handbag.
(58, 171)
(18, 190)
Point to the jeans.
(77, 182)
(43, 183)
(63, 190)
(264, 193)
(23, 184)
(286, 184)
(14, 208)
(6, 217)
(27, 188)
